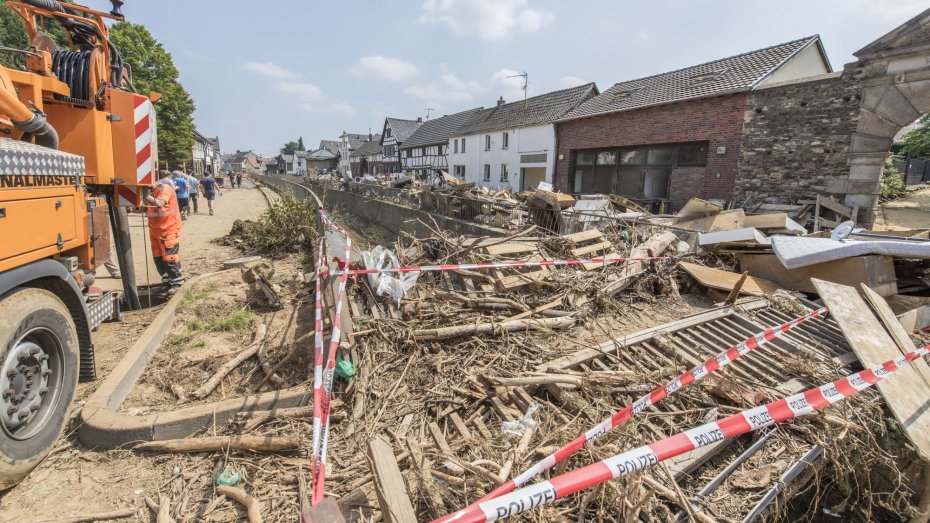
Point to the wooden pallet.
(510, 279)
(591, 244)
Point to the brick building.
(665, 138)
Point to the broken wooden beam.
(488, 328)
(389, 483)
(223, 443)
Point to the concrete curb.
(103, 428)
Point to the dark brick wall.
(796, 139)
(718, 121)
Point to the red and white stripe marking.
(694, 375)
(496, 265)
(319, 476)
(317, 360)
(146, 140)
(126, 196)
(648, 455)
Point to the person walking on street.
(209, 187)
(239, 180)
(164, 215)
(232, 179)
(181, 187)
(193, 186)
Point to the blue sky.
(263, 73)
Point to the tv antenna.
(428, 110)
(526, 82)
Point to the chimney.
(419, 119)
(501, 101)
(371, 137)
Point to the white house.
(512, 146)
(427, 150)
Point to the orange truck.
(78, 147)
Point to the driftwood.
(222, 443)
(102, 516)
(256, 419)
(265, 363)
(252, 508)
(488, 328)
(654, 246)
(595, 380)
(228, 367)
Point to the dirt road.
(198, 253)
(910, 212)
(76, 481)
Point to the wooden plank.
(906, 393)
(834, 206)
(519, 280)
(900, 336)
(915, 319)
(654, 246)
(583, 236)
(482, 428)
(726, 281)
(551, 305)
(875, 271)
(389, 484)
(440, 440)
(459, 425)
(725, 221)
(597, 247)
(511, 248)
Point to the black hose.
(38, 126)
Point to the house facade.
(368, 159)
(322, 159)
(663, 139)
(427, 150)
(243, 161)
(205, 157)
(512, 146)
(395, 132)
(349, 143)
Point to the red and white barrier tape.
(317, 359)
(694, 375)
(319, 471)
(496, 265)
(648, 455)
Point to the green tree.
(917, 141)
(300, 144)
(291, 147)
(154, 70)
(13, 34)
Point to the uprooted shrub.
(287, 226)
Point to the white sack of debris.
(794, 251)
(383, 283)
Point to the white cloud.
(385, 68)
(571, 81)
(342, 108)
(270, 70)
(449, 88)
(506, 83)
(306, 92)
(489, 19)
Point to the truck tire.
(38, 376)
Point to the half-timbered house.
(427, 149)
(395, 133)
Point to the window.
(693, 154)
(505, 141)
(660, 156)
(422, 151)
(631, 157)
(387, 132)
(584, 158)
(455, 146)
(460, 171)
(487, 172)
(505, 174)
(463, 145)
(607, 158)
(487, 142)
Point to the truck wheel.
(38, 377)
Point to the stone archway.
(894, 76)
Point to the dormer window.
(705, 78)
(626, 93)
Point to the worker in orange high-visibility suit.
(165, 233)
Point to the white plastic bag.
(518, 426)
(395, 285)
